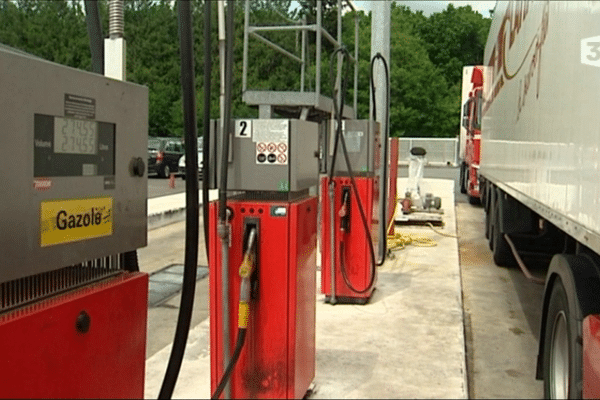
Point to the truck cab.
(471, 123)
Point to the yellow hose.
(399, 241)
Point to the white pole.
(380, 43)
(115, 47)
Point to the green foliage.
(427, 55)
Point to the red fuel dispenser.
(353, 206)
(269, 351)
(73, 308)
(278, 359)
(352, 276)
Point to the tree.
(454, 38)
(427, 55)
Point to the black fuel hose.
(94, 27)
(384, 144)
(241, 338)
(186, 39)
(206, 119)
(340, 138)
(130, 261)
(248, 274)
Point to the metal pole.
(223, 235)
(338, 77)
(245, 61)
(303, 67)
(356, 65)
(221, 15)
(319, 34)
(380, 43)
(332, 299)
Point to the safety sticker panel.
(271, 138)
(65, 221)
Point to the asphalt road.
(158, 186)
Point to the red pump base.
(46, 355)
(351, 246)
(278, 357)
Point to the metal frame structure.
(305, 105)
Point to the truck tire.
(488, 224)
(486, 201)
(461, 179)
(563, 368)
(502, 254)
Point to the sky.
(429, 7)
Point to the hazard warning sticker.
(271, 138)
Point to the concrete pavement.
(407, 342)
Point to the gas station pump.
(353, 208)
(270, 260)
(73, 307)
(348, 273)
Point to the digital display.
(75, 136)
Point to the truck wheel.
(165, 172)
(485, 201)
(487, 224)
(563, 368)
(463, 188)
(503, 256)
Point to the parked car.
(200, 164)
(164, 155)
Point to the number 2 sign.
(243, 128)
(590, 51)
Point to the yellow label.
(64, 221)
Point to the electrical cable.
(340, 138)
(186, 39)
(430, 225)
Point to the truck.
(470, 131)
(540, 174)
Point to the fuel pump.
(353, 208)
(271, 217)
(73, 308)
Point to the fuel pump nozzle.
(344, 212)
(246, 270)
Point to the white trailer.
(540, 173)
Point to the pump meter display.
(75, 143)
(72, 147)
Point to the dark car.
(164, 155)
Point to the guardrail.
(440, 151)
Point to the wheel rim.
(167, 171)
(559, 358)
